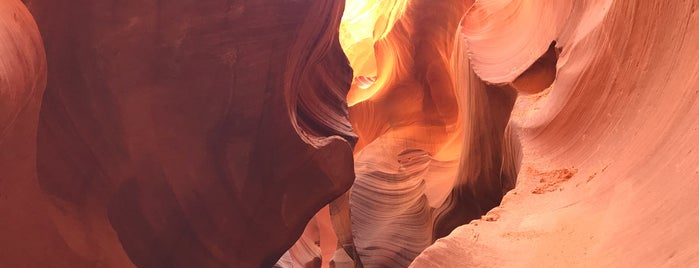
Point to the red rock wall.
(177, 133)
(26, 232)
(211, 133)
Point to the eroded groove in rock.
(171, 135)
(486, 169)
(346, 254)
(540, 75)
(609, 145)
(414, 105)
(391, 219)
(502, 49)
(210, 133)
(323, 111)
(317, 79)
(307, 251)
(366, 25)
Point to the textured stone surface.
(221, 133)
(182, 133)
(610, 151)
(26, 232)
(429, 156)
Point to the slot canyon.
(349, 133)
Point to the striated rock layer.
(610, 150)
(222, 133)
(431, 134)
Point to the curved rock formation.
(609, 150)
(316, 246)
(173, 133)
(227, 133)
(429, 156)
(22, 82)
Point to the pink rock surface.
(609, 150)
(498, 133)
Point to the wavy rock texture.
(429, 154)
(222, 133)
(171, 133)
(307, 251)
(403, 126)
(610, 151)
(22, 82)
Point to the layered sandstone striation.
(357, 133)
(609, 150)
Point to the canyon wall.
(170, 133)
(610, 150)
(377, 133)
(593, 80)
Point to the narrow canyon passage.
(438, 146)
(355, 133)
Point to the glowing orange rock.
(210, 133)
(429, 154)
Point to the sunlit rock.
(357, 133)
